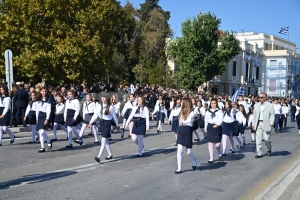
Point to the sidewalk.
(286, 186)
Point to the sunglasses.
(261, 97)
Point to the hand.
(180, 123)
(24, 118)
(147, 129)
(253, 128)
(1, 116)
(118, 128)
(215, 126)
(122, 114)
(90, 125)
(271, 125)
(169, 122)
(46, 122)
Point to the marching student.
(59, 116)
(88, 109)
(31, 113)
(106, 113)
(43, 112)
(116, 105)
(140, 118)
(227, 126)
(241, 117)
(199, 117)
(284, 114)
(250, 121)
(298, 115)
(236, 126)
(174, 117)
(72, 110)
(129, 105)
(185, 133)
(5, 104)
(213, 121)
(161, 113)
(278, 111)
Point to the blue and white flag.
(284, 30)
(256, 62)
(239, 92)
(132, 89)
(249, 57)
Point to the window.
(233, 91)
(273, 63)
(247, 69)
(257, 73)
(234, 68)
(266, 46)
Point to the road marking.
(76, 169)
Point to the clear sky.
(261, 16)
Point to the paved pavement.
(73, 174)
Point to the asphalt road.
(73, 173)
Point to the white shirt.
(218, 119)
(199, 111)
(117, 108)
(144, 113)
(277, 109)
(160, 108)
(297, 110)
(285, 110)
(32, 107)
(241, 118)
(230, 118)
(250, 120)
(72, 104)
(6, 104)
(100, 112)
(175, 112)
(128, 105)
(221, 105)
(43, 106)
(60, 108)
(171, 104)
(261, 115)
(189, 120)
(88, 107)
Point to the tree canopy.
(203, 51)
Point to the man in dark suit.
(21, 102)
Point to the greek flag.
(239, 91)
(132, 89)
(284, 30)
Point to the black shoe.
(122, 132)
(220, 157)
(157, 131)
(37, 139)
(178, 172)
(232, 151)
(109, 139)
(69, 146)
(196, 140)
(108, 157)
(97, 159)
(129, 135)
(210, 162)
(244, 143)
(257, 156)
(223, 154)
(252, 140)
(30, 142)
(41, 150)
(175, 144)
(96, 142)
(194, 167)
(0, 145)
(50, 145)
(139, 156)
(54, 140)
(12, 141)
(269, 153)
(90, 134)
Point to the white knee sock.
(192, 155)
(41, 139)
(238, 140)
(103, 145)
(253, 136)
(224, 142)
(141, 144)
(179, 156)
(197, 134)
(8, 131)
(134, 138)
(1, 133)
(74, 130)
(83, 127)
(232, 143)
(108, 148)
(94, 129)
(55, 130)
(70, 135)
(244, 138)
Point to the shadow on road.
(36, 178)
(280, 153)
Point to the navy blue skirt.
(235, 128)
(127, 113)
(160, 116)
(227, 128)
(87, 118)
(252, 131)
(214, 135)
(139, 126)
(59, 119)
(242, 129)
(69, 118)
(32, 117)
(105, 128)
(175, 124)
(41, 121)
(185, 136)
(5, 121)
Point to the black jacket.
(21, 99)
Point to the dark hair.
(5, 89)
(243, 112)
(107, 103)
(175, 103)
(215, 100)
(199, 101)
(37, 96)
(230, 105)
(61, 96)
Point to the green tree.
(62, 41)
(203, 51)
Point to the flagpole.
(289, 38)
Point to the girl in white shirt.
(129, 105)
(161, 113)
(5, 103)
(174, 117)
(31, 113)
(241, 117)
(250, 122)
(59, 116)
(106, 113)
(284, 114)
(185, 133)
(88, 110)
(140, 118)
(213, 121)
(116, 104)
(199, 117)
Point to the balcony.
(249, 80)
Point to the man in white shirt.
(278, 111)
